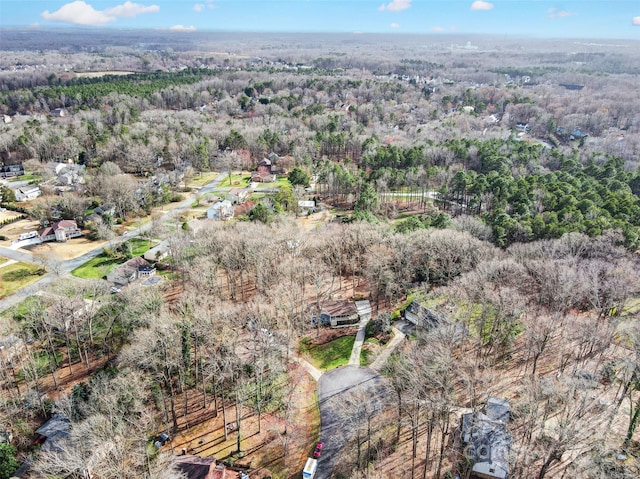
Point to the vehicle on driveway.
(318, 450)
(310, 468)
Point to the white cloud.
(555, 13)
(480, 5)
(81, 13)
(395, 5)
(199, 7)
(181, 28)
(395, 25)
(438, 29)
(130, 10)
(635, 21)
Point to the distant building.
(158, 252)
(237, 196)
(60, 231)
(486, 441)
(8, 171)
(27, 193)
(343, 313)
(220, 211)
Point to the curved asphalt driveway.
(333, 388)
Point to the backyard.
(101, 265)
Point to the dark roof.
(339, 307)
(426, 317)
(196, 467)
(498, 409)
(55, 430)
(489, 439)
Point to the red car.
(318, 450)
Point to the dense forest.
(498, 186)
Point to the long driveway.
(67, 266)
(334, 387)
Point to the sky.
(538, 18)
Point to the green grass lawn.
(17, 276)
(279, 183)
(140, 246)
(3, 259)
(203, 179)
(96, 268)
(238, 180)
(101, 265)
(330, 355)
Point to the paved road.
(354, 359)
(65, 267)
(17, 255)
(398, 338)
(334, 387)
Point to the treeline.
(539, 304)
(89, 92)
(523, 191)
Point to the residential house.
(158, 252)
(339, 313)
(9, 171)
(27, 193)
(59, 113)
(220, 211)
(262, 177)
(422, 316)
(237, 196)
(131, 271)
(196, 467)
(60, 231)
(53, 432)
(68, 175)
(103, 210)
(263, 173)
(486, 441)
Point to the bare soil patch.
(12, 230)
(267, 450)
(70, 249)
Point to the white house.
(60, 231)
(27, 193)
(220, 211)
